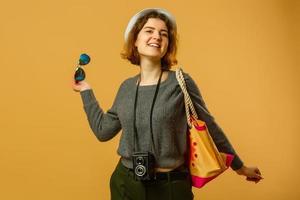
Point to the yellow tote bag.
(205, 161)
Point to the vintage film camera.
(143, 166)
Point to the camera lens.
(140, 160)
(140, 170)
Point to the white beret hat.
(143, 12)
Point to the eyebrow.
(154, 28)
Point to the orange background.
(242, 54)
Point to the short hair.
(130, 51)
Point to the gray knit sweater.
(169, 120)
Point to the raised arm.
(104, 125)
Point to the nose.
(156, 35)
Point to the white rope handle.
(187, 99)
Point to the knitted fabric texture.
(169, 120)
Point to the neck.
(150, 71)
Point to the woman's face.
(152, 40)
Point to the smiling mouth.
(154, 45)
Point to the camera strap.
(134, 121)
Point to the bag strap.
(187, 99)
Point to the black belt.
(171, 176)
(179, 173)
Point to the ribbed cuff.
(236, 163)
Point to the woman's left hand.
(252, 173)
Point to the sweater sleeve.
(104, 125)
(215, 131)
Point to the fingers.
(257, 171)
(76, 86)
(254, 175)
(256, 180)
(75, 89)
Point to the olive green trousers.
(124, 187)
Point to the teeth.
(154, 45)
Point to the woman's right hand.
(80, 86)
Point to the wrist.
(86, 88)
(241, 170)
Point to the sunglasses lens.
(79, 74)
(84, 59)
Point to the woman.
(149, 108)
